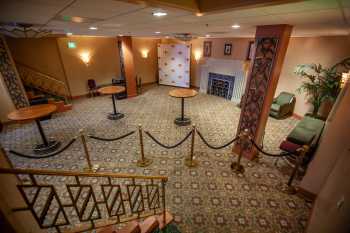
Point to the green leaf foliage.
(321, 83)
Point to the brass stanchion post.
(190, 162)
(91, 168)
(143, 162)
(243, 140)
(289, 188)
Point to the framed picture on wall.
(250, 52)
(228, 49)
(207, 48)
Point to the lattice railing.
(43, 82)
(62, 200)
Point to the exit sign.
(72, 45)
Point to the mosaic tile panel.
(10, 78)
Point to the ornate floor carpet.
(209, 198)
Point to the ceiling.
(112, 18)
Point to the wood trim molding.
(306, 195)
(297, 116)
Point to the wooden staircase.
(55, 89)
(148, 225)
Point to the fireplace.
(220, 85)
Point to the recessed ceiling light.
(69, 33)
(207, 35)
(93, 28)
(235, 26)
(157, 32)
(159, 13)
(199, 14)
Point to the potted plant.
(321, 85)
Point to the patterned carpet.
(209, 198)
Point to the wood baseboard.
(296, 116)
(80, 96)
(306, 195)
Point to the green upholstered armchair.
(283, 105)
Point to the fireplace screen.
(220, 85)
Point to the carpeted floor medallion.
(206, 199)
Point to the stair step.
(109, 229)
(149, 225)
(168, 219)
(131, 227)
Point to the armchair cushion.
(283, 105)
(275, 107)
(307, 131)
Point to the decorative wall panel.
(258, 84)
(121, 60)
(174, 64)
(11, 80)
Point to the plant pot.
(325, 108)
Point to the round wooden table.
(113, 90)
(36, 112)
(182, 93)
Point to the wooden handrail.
(41, 73)
(73, 173)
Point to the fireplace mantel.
(225, 67)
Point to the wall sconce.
(197, 55)
(344, 78)
(85, 57)
(144, 53)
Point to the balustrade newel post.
(163, 199)
(190, 161)
(244, 141)
(91, 168)
(143, 162)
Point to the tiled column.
(127, 64)
(271, 44)
(10, 76)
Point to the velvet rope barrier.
(111, 139)
(47, 155)
(282, 154)
(216, 147)
(167, 146)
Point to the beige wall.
(324, 50)
(40, 54)
(146, 68)
(334, 139)
(104, 64)
(239, 52)
(6, 103)
(328, 173)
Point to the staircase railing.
(82, 201)
(36, 79)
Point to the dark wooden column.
(271, 44)
(127, 64)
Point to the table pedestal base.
(44, 149)
(115, 116)
(144, 163)
(182, 121)
(237, 168)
